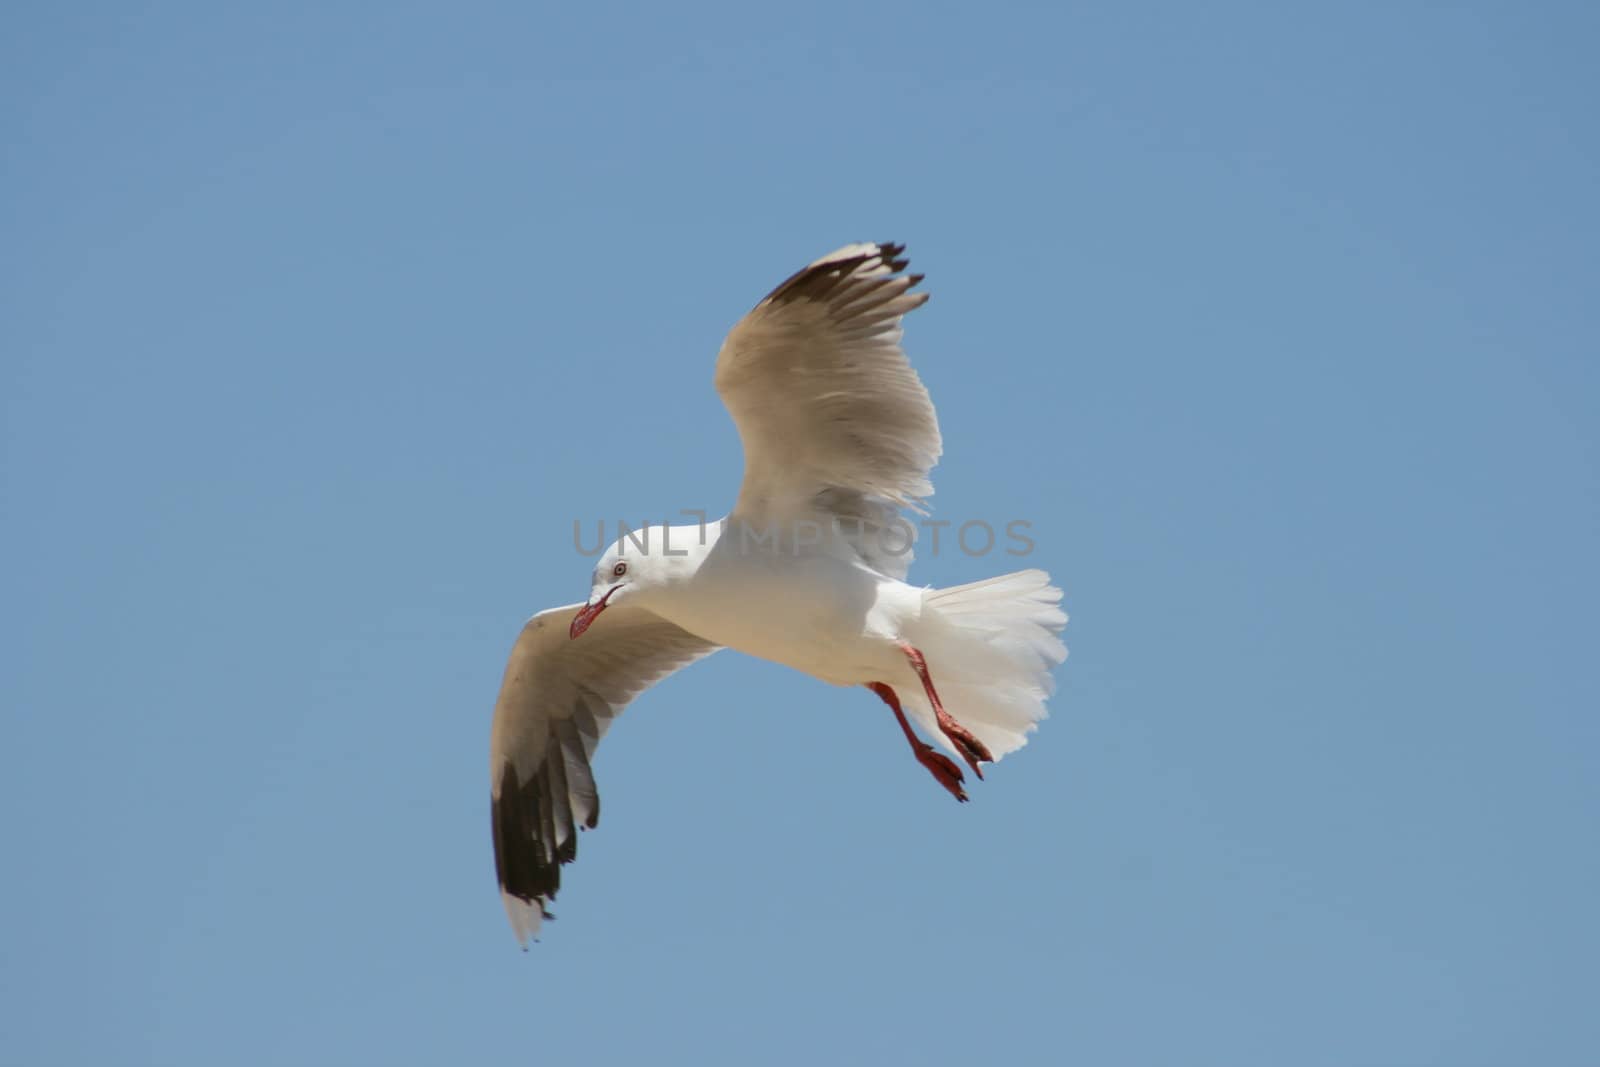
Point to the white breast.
(824, 616)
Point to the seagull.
(807, 570)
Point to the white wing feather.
(556, 701)
(832, 417)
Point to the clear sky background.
(322, 323)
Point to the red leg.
(972, 750)
(942, 767)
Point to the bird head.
(613, 579)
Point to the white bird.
(807, 571)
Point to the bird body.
(808, 608)
(807, 571)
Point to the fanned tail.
(991, 646)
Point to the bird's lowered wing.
(556, 701)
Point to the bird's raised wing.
(831, 414)
(557, 699)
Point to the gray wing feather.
(833, 419)
(556, 702)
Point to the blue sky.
(321, 323)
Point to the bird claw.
(944, 771)
(972, 750)
(973, 754)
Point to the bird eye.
(619, 570)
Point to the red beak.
(588, 613)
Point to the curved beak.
(588, 613)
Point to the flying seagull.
(808, 570)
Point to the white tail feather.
(990, 647)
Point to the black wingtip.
(893, 255)
(818, 280)
(521, 863)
